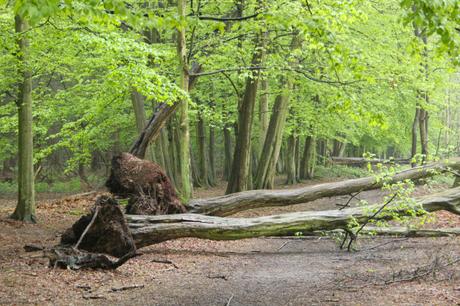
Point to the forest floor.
(262, 271)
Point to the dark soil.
(263, 271)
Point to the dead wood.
(108, 234)
(149, 190)
(153, 128)
(233, 203)
(359, 161)
(148, 230)
(68, 257)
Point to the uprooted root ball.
(145, 184)
(108, 234)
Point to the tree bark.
(202, 153)
(415, 124)
(185, 186)
(266, 169)
(227, 152)
(291, 161)
(25, 208)
(263, 111)
(147, 230)
(307, 164)
(240, 175)
(230, 204)
(212, 164)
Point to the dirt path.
(264, 271)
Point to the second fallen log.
(233, 203)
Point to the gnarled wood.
(230, 204)
(148, 230)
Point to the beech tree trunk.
(25, 208)
(147, 230)
(227, 152)
(240, 175)
(212, 163)
(185, 186)
(308, 161)
(266, 169)
(230, 204)
(291, 160)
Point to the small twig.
(385, 243)
(283, 245)
(96, 211)
(165, 261)
(229, 300)
(352, 196)
(117, 289)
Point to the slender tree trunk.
(227, 152)
(415, 125)
(267, 167)
(202, 152)
(212, 164)
(297, 159)
(168, 165)
(423, 122)
(25, 209)
(290, 160)
(263, 111)
(184, 148)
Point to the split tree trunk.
(147, 230)
(267, 167)
(230, 204)
(240, 175)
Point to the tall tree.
(185, 186)
(25, 209)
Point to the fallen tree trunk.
(359, 161)
(147, 230)
(233, 203)
(153, 128)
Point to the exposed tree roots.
(145, 184)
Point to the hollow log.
(233, 203)
(147, 230)
(359, 161)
